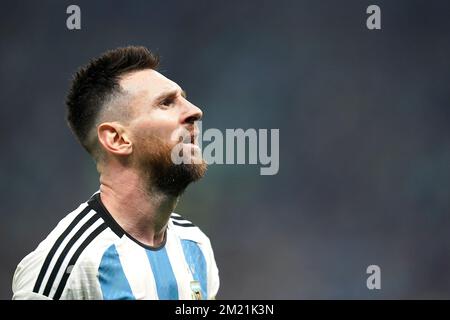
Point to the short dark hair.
(98, 81)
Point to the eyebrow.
(169, 94)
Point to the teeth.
(190, 137)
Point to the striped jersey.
(89, 256)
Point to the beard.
(153, 159)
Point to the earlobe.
(114, 139)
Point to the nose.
(191, 114)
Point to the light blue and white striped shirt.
(89, 256)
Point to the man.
(125, 242)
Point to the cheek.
(158, 126)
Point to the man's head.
(123, 111)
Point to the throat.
(142, 215)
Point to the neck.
(141, 210)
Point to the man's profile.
(125, 242)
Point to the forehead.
(148, 83)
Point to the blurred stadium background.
(364, 123)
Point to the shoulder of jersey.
(186, 229)
(55, 257)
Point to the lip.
(191, 139)
(194, 135)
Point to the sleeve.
(25, 278)
(213, 275)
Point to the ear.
(114, 138)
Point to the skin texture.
(139, 184)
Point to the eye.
(167, 102)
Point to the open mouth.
(191, 139)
